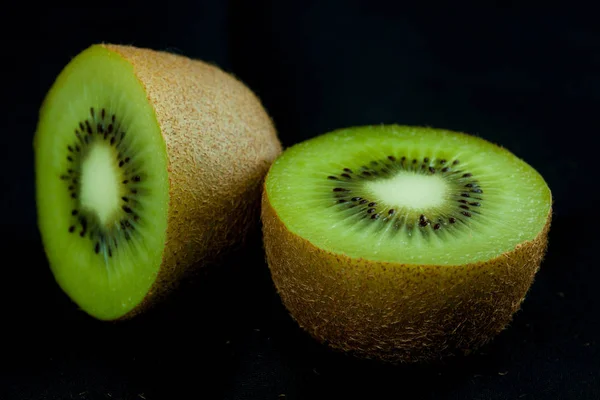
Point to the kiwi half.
(402, 243)
(147, 163)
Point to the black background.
(526, 78)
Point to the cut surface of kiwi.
(131, 150)
(403, 242)
(408, 195)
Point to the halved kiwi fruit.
(403, 243)
(147, 163)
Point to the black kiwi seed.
(346, 176)
(462, 201)
(442, 161)
(348, 170)
(92, 112)
(455, 162)
(466, 213)
(333, 178)
(125, 181)
(97, 248)
(432, 170)
(356, 198)
(426, 159)
(337, 189)
(375, 216)
(476, 204)
(476, 190)
(74, 212)
(88, 127)
(371, 210)
(363, 201)
(469, 185)
(445, 169)
(103, 113)
(465, 195)
(71, 229)
(391, 158)
(467, 175)
(372, 204)
(437, 226)
(137, 179)
(342, 201)
(125, 199)
(391, 212)
(464, 206)
(423, 220)
(127, 209)
(452, 220)
(366, 173)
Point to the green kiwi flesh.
(102, 184)
(408, 195)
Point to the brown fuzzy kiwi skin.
(220, 143)
(397, 313)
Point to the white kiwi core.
(409, 190)
(100, 183)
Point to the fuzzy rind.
(220, 143)
(392, 312)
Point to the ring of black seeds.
(468, 191)
(101, 127)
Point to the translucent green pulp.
(101, 184)
(408, 195)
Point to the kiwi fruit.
(403, 244)
(147, 164)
